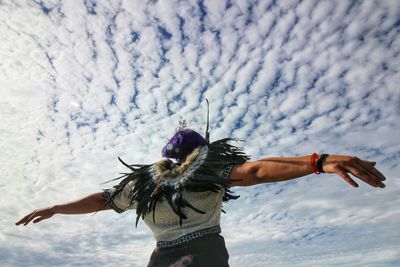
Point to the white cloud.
(79, 89)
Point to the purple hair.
(182, 144)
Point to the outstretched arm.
(282, 169)
(89, 204)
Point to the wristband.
(313, 164)
(320, 162)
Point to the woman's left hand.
(362, 169)
(37, 216)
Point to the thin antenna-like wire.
(208, 109)
(208, 123)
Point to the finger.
(362, 175)
(366, 164)
(38, 219)
(370, 173)
(342, 173)
(20, 221)
(33, 215)
(375, 175)
(356, 167)
(24, 219)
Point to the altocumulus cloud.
(83, 82)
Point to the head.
(182, 144)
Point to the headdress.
(185, 140)
(182, 144)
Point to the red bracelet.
(313, 161)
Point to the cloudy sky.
(84, 81)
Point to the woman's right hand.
(37, 216)
(362, 169)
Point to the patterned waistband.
(186, 238)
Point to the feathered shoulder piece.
(165, 180)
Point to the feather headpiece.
(162, 181)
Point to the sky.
(83, 82)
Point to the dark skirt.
(206, 251)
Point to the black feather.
(203, 178)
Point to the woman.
(181, 200)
